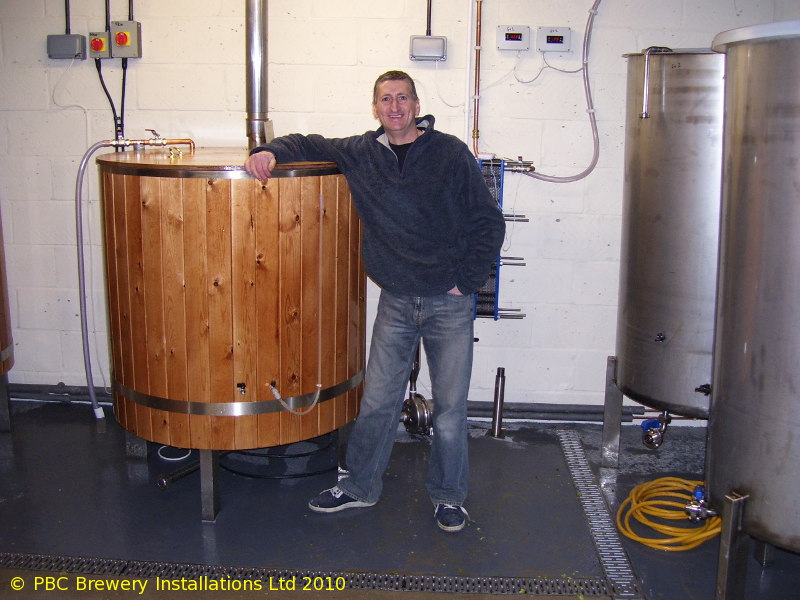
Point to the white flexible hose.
(589, 109)
(87, 363)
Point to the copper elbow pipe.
(181, 141)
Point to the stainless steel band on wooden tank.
(6, 353)
(237, 409)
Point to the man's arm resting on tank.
(260, 165)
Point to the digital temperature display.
(513, 37)
(555, 39)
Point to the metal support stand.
(733, 544)
(209, 484)
(135, 447)
(5, 413)
(415, 366)
(612, 417)
(497, 412)
(208, 463)
(764, 554)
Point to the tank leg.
(733, 543)
(612, 417)
(209, 484)
(5, 413)
(764, 553)
(135, 447)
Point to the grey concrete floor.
(67, 490)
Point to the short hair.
(394, 76)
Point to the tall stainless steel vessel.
(754, 429)
(673, 154)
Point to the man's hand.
(260, 165)
(455, 291)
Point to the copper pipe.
(477, 89)
(158, 141)
(187, 142)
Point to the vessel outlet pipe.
(653, 430)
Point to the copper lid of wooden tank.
(218, 163)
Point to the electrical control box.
(553, 39)
(98, 45)
(428, 47)
(513, 37)
(68, 45)
(126, 39)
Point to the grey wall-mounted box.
(428, 47)
(66, 45)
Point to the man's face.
(395, 108)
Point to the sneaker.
(334, 500)
(450, 517)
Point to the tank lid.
(765, 31)
(670, 51)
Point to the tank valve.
(653, 430)
(704, 389)
(697, 508)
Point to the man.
(430, 232)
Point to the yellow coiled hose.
(652, 499)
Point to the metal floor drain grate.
(612, 555)
(537, 586)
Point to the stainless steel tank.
(754, 428)
(673, 165)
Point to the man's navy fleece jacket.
(425, 229)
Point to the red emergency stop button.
(97, 44)
(122, 38)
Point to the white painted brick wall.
(324, 56)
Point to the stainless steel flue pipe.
(259, 127)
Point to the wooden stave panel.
(268, 366)
(173, 192)
(218, 432)
(220, 307)
(243, 283)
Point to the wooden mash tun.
(237, 309)
(223, 291)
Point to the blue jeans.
(445, 325)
